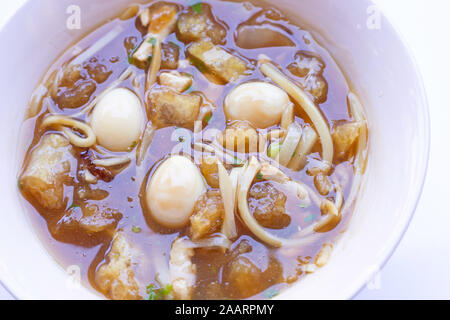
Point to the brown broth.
(125, 190)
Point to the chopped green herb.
(198, 7)
(237, 161)
(270, 293)
(19, 185)
(149, 59)
(151, 291)
(136, 229)
(259, 176)
(310, 218)
(73, 206)
(274, 150)
(133, 145)
(208, 118)
(181, 139)
(152, 41)
(166, 290)
(130, 59)
(158, 293)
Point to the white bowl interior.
(375, 61)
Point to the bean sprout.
(147, 139)
(155, 65)
(228, 198)
(221, 154)
(300, 96)
(111, 162)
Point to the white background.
(420, 266)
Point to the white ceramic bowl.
(376, 62)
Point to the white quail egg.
(118, 120)
(173, 190)
(260, 103)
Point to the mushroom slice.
(302, 98)
(208, 215)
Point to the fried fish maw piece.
(47, 171)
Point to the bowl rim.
(426, 122)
